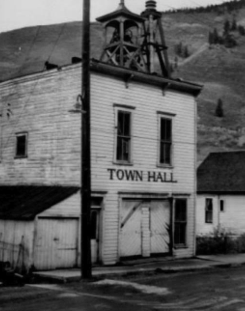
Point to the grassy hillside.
(218, 68)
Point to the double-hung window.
(209, 210)
(180, 222)
(165, 152)
(123, 139)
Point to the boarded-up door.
(144, 227)
(130, 228)
(159, 226)
(56, 243)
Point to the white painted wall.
(231, 219)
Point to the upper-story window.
(165, 152)
(21, 145)
(123, 135)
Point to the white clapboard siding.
(231, 219)
(41, 105)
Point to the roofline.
(132, 75)
(121, 72)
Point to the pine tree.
(226, 27)
(219, 109)
(234, 24)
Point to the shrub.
(220, 241)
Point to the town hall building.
(143, 154)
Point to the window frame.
(168, 117)
(127, 110)
(181, 224)
(17, 154)
(208, 219)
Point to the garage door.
(144, 227)
(56, 243)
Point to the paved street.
(218, 289)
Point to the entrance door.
(130, 228)
(144, 227)
(94, 234)
(159, 226)
(56, 243)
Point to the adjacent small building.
(221, 193)
(143, 154)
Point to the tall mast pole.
(86, 267)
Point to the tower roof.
(122, 10)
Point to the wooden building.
(143, 155)
(221, 193)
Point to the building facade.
(221, 193)
(143, 155)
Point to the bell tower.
(122, 34)
(154, 46)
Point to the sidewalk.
(163, 265)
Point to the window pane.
(166, 125)
(123, 148)
(123, 126)
(123, 136)
(209, 211)
(180, 233)
(180, 221)
(21, 145)
(180, 210)
(165, 141)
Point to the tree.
(219, 109)
(226, 27)
(234, 24)
(241, 30)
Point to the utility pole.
(86, 267)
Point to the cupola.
(122, 34)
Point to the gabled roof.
(25, 202)
(222, 172)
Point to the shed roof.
(222, 172)
(25, 202)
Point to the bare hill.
(219, 68)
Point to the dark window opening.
(123, 136)
(180, 222)
(165, 141)
(209, 211)
(222, 206)
(21, 145)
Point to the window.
(221, 205)
(209, 211)
(123, 136)
(180, 221)
(165, 141)
(21, 145)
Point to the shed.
(221, 193)
(39, 226)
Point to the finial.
(151, 5)
(121, 5)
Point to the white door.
(130, 237)
(56, 243)
(94, 234)
(159, 226)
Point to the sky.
(16, 14)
